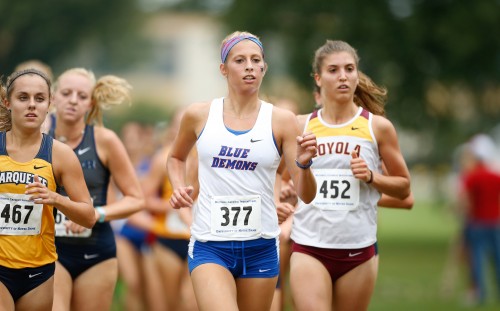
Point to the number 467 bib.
(337, 189)
(19, 215)
(236, 216)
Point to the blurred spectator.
(458, 253)
(481, 192)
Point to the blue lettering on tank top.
(89, 164)
(225, 159)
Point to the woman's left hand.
(307, 147)
(359, 168)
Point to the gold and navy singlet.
(26, 227)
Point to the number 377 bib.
(236, 216)
(337, 189)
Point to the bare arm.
(192, 123)
(299, 146)
(283, 208)
(68, 173)
(392, 202)
(153, 182)
(396, 183)
(114, 155)
(192, 173)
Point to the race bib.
(61, 228)
(19, 215)
(337, 189)
(236, 216)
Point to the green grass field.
(415, 253)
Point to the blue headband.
(233, 41)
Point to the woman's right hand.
(74, 227)
(288, 193)
(182, 197)
(284, 210)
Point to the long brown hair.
(367, 94)
(6, 93)
(5, 120)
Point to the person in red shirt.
(481, 186)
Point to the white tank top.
(343, 214)
(237, 175)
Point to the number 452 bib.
(19, 215)
(337, 189)
(236, 216)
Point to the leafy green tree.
(52, 29)
(440, 59)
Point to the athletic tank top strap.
(3, 146)
(215, 114)
(313, 115)
(45, 152)
(52, 129)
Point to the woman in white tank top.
(240, 139)
(359, 165)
